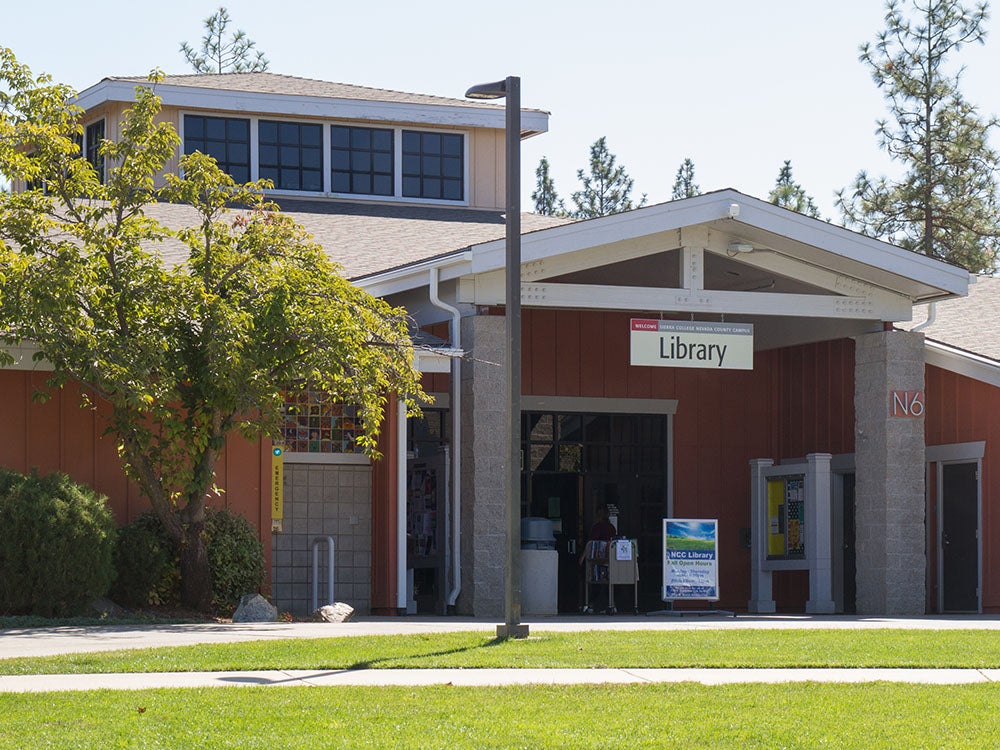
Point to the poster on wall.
(786, 538)
(690, 559)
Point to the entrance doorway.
(959, 538)
(575, 462)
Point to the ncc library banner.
(690, 559)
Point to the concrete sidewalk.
(69, 639)
(483, 677)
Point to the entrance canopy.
(722, 255)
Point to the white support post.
(761, 598)
(819, 550)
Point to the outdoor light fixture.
(510, 89)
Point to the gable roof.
(275, 93)
(778, 236)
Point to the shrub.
(57, 541)
(235, 555)
(146, 561)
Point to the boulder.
(107, 609)
(255, 608)
(336, 612)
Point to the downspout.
(456, 431)
(931, 316)
(401, 545)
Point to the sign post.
(277, 487)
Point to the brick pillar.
(484, 449)
(889, 461)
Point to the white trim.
(533, 122)
(659, 299)
(595, 405)
(961, 362)
(330, 459)
(23, 359)
(955, 452)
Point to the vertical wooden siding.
(384, 515)
(59, 435)
(795, 401)
(962, 410)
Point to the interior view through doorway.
(575, 462)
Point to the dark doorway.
(557, 497)
(850, 554)
(960, 538)
(575, 462)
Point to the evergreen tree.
(606, 189)
(945, 204)
(547, 200)
(788, 193)
(684, 184)
(218, 54)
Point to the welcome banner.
(682, 343)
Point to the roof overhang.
(855, 276)
(533, 122)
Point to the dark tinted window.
(361, 160)
(433, 165)
(226, 139)
(291, 155)
(95, 134)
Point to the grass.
(589, 649)
(876, 715)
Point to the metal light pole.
(510, 90)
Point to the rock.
(336, 612)
(105, 608)
(255, 608)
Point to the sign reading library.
(690, 559)
(683, 343)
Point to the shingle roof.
(968, 323)
(370, 238)
(285, 85)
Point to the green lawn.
(688, 648)
(646, 716)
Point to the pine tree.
(237, 54)
(684, 184)
(547, 200)
(945, 205)
(606, 189)
(788, 193)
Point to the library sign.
(682, 343)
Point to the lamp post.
(510, 90)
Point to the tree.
(606, 189)
(547, 200)
(684, 184)
(945, 204)
(219, 54)
(182, 354)
(788, 193)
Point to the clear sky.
(736, 86)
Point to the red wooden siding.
(962, 410)
(59, 435)
(795, 401)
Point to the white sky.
(736, 86)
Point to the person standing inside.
(595, 554)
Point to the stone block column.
(484, 450)
(889, 463)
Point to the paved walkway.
(59, 640)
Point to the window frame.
(326, 125)
(225, 118)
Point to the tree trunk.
(196, 575)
